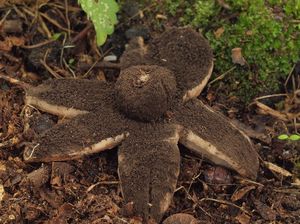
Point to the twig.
(67, 17)
(38, 44)
(100, 64)
(101, 183)
(44, 27)
(221, 76)
(268, 110)
(4, 17)
(226, 203)
(50, 70)
(288, 191)
(289, 76)
(82, 33)
(15, 81)
(55, 23)
(270, 96)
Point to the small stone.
(110, 58)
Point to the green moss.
(267, 32)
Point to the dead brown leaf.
(265, 211)
(243, 218)
(240, 193)
(11, 41)
(237, 56)
(224, 4)
(39, 177)
(218, 33)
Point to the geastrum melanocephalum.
(150, 108)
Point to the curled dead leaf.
(11, 41)
(218, 33)
(237, 56)
(243, 218)
(240, 193)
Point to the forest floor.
(54, 39)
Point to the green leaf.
(55, 36)
(283, 137)
(71, 61)
(103, 15)
(294, 137)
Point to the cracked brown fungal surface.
(145, 92)
(182, 50)
(171, 71)
(149, 162)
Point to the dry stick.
(35, 18)
(82, 33)
(67, 17)
(221, 76)
(102, 183)
(38, 44)
(288, 191)
(270, 96)
(15, 81)
(55, 23)
(4, 17)
(19, 13)
(268, 110)
(226, 203)
(60, 6)
(44, 27)
(100, 64)
(289, 76)
(50, 70)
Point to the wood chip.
(2, 192)
(240, 193)
(237, 57)
(277, 169)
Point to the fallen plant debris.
(88, 189)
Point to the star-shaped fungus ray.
(95, 124)
(212, 135)
(183, 51)
(71, 97)
(149, 163)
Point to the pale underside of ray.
(69, 154)
(196, 91)
(212, 135)
(148, 172)
(43, 152)
(57, 110)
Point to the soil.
(88, 190)
(145, 92)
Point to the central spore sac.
(145, 92)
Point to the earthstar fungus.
(149, 110)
